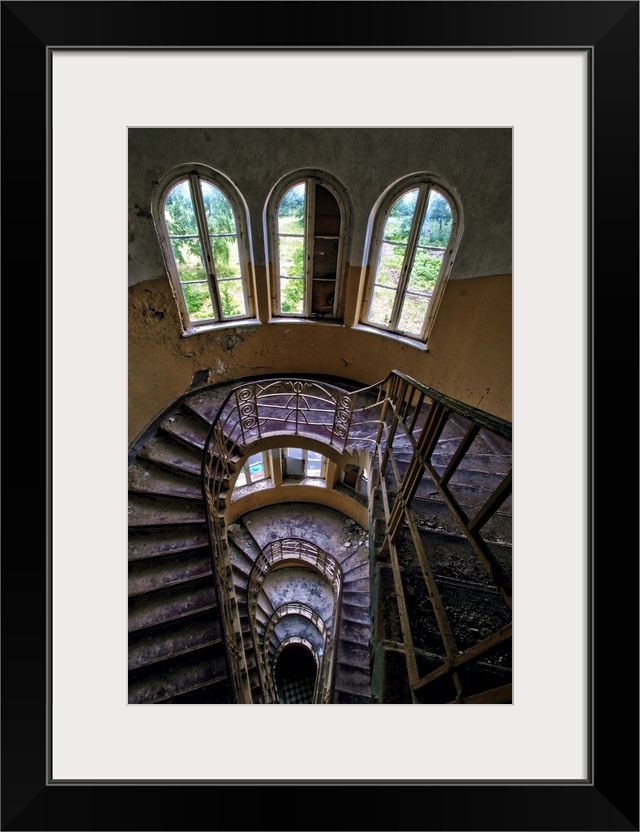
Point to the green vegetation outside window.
(204, 241)
(411, 257)
(309, 239)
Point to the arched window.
(308, 218)
(200, 219)
(416, 232)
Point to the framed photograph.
(91, 91)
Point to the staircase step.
(357, 598)
(239, 534)
(206, 401)
(355, 631)
(355, 612)
(354, 654)
(151, 511)
(186, 428)
(169, 605)
(355, 558)
(239, 560)
(149, 575)
(342, 697)
(172, 455)
(432, 514)
(453, 557)
(481, 463)
(149, 543)
(361, 571)
(170, 640)
(352, 679)
(168, 679)
(148, 478)
(357, 585)
(214, 693)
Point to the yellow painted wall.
(469, 355)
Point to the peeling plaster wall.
(469, 355)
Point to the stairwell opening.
(296, 675)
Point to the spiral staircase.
(411, 606)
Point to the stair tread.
(186, 428)
(146, 510)
(177, 676)
(206, 401)
(147, 477)
(173, 639)
(149, 543)
(355, 631)
(167, 452)
(168, 605)
(152, 574)
(353, 612)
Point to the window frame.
(424, 183)
(284, 454)
(309, 177)
(266, 469)
(194, 174)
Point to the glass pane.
(178, 211)
(291, 295)
(226, 258)
(425, 269)
(291, 256)
(255, 465)
(188, 255)
(217, 208)
(436, 228)
(414, 309)
(293, 463)
(242, 478)
(198, 301)
(398, 223)
(231, 298)
(382, 305)
(390, 264)
(291, 211)
(314, 464)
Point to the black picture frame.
(608, 799)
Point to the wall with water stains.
(469, 354)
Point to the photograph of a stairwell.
(320, 359)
